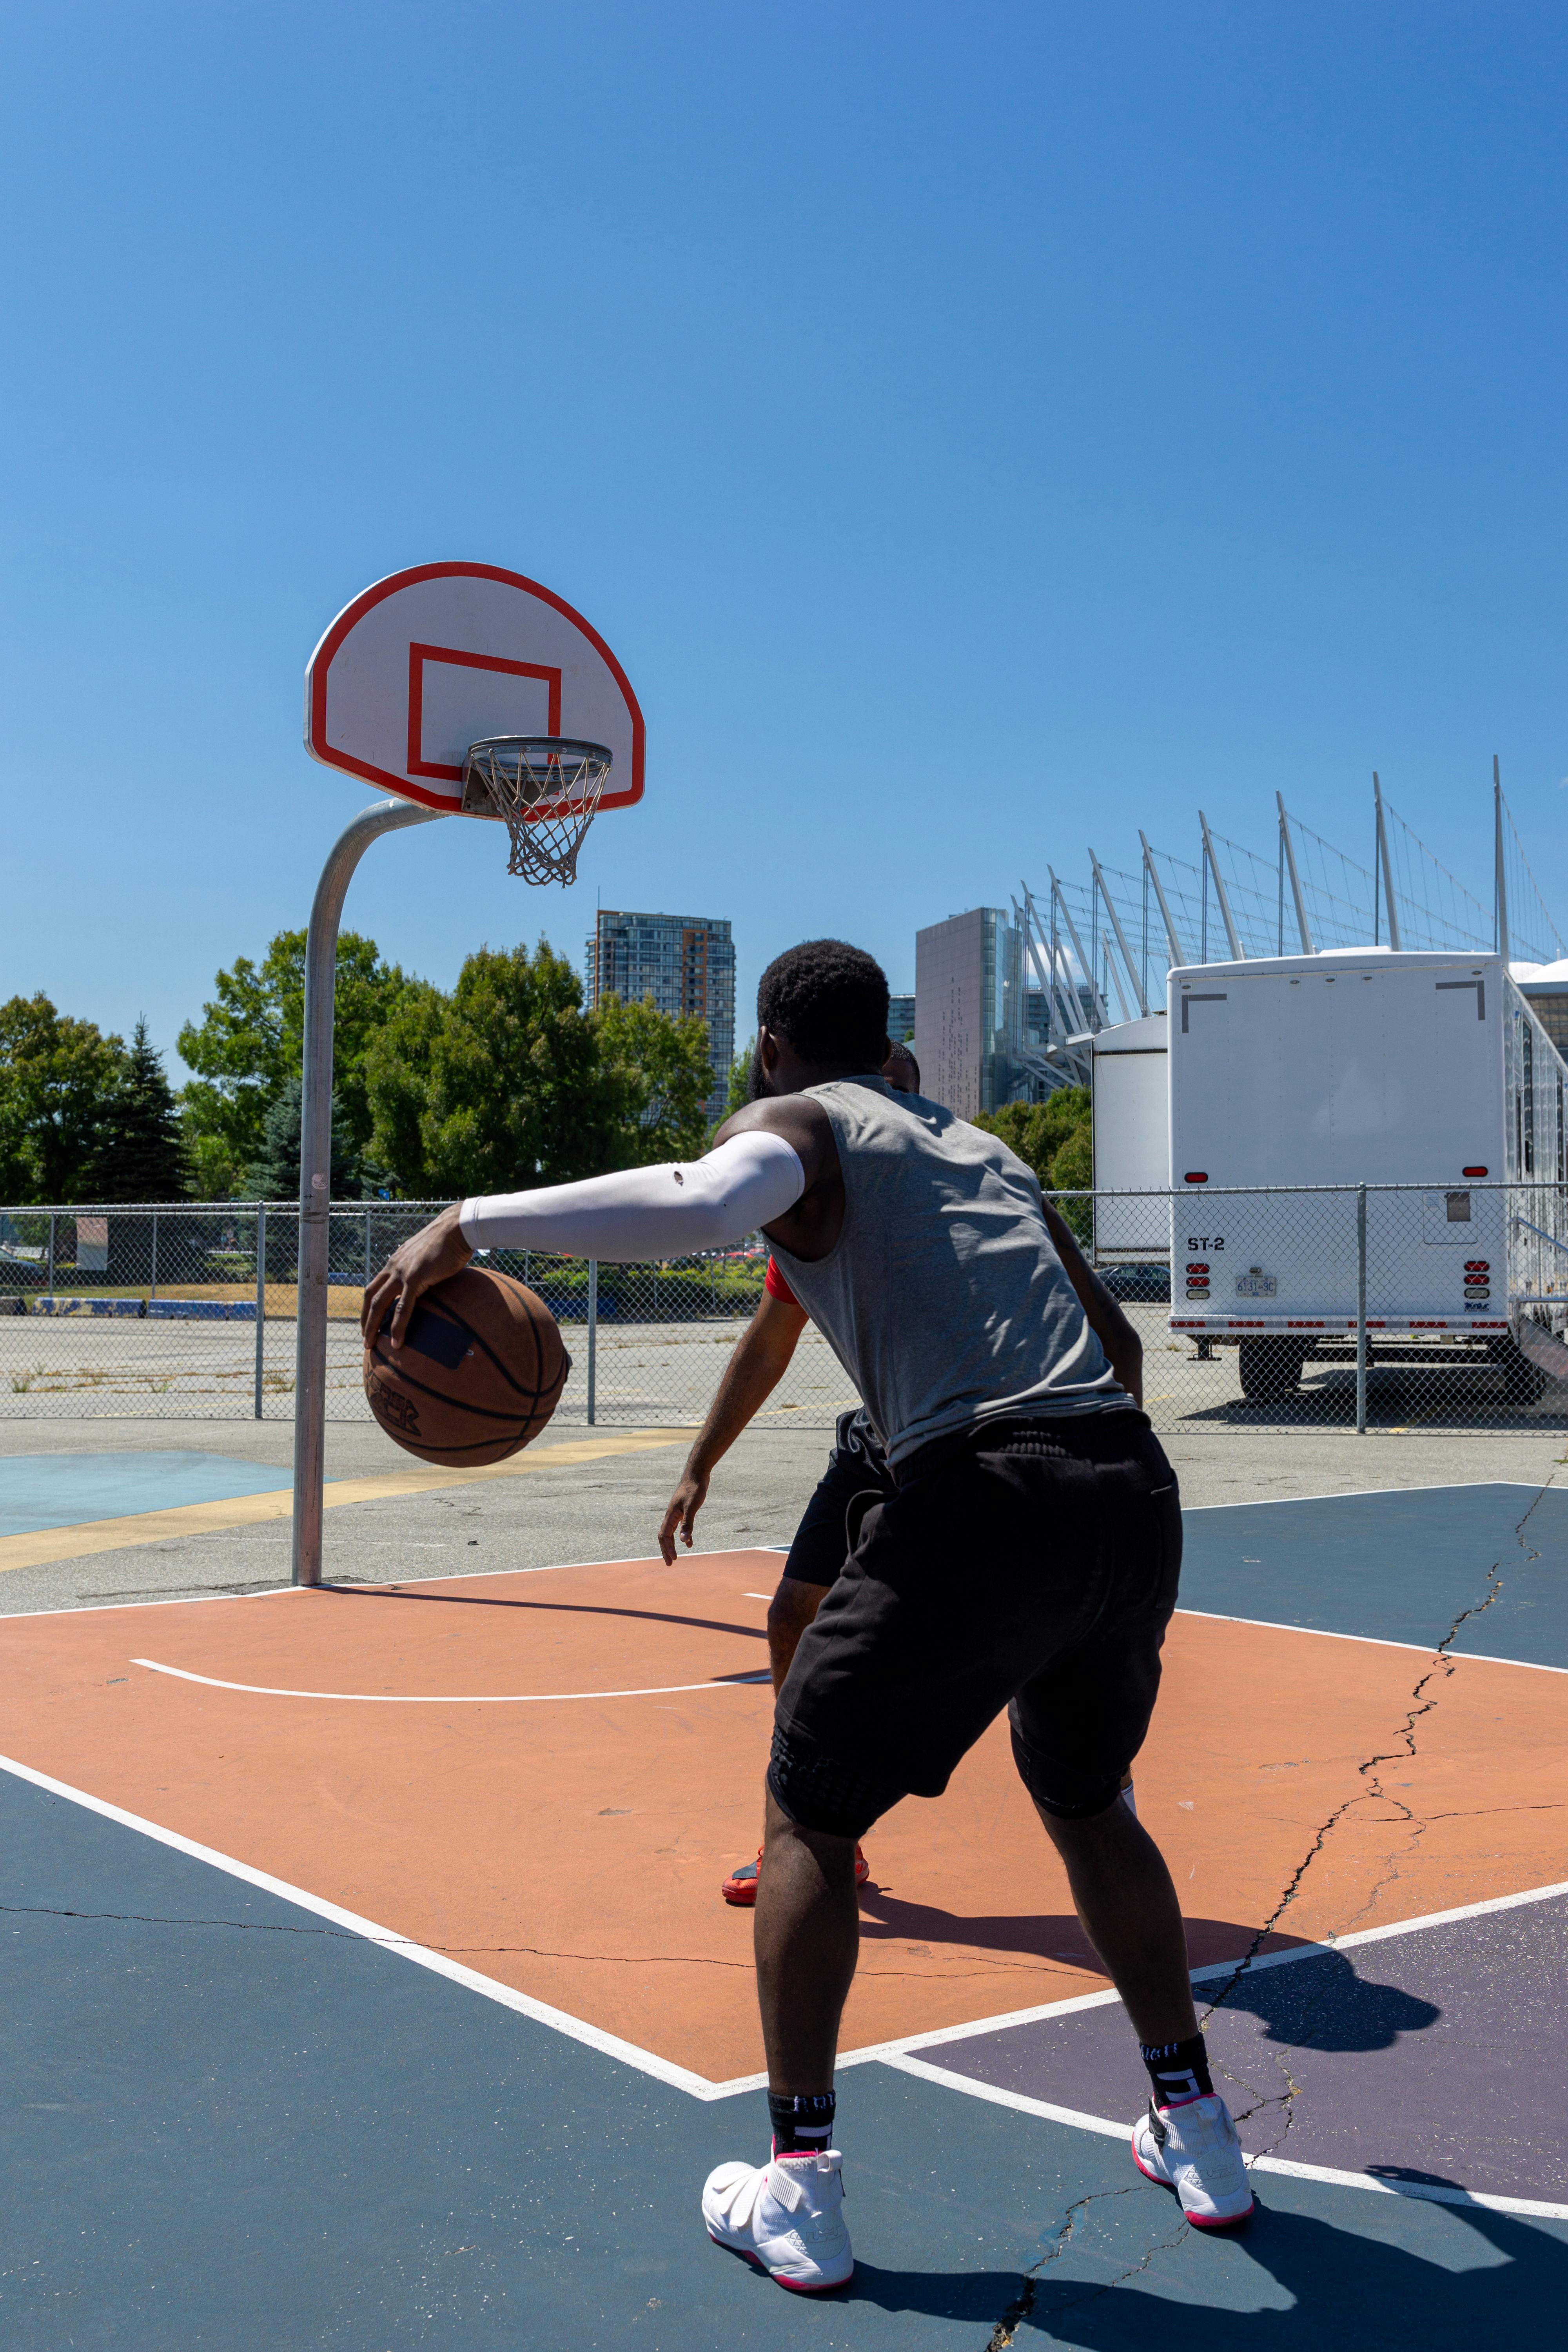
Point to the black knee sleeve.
(1071, 1796)
(820, 1793)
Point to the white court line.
(645, 2062)
(894, 2054)
(174, 1600)
(1347, 1494)
(1374, 1640)
(456, 1698)
(1534, 2208)
(334, 1584)
(556, 1568)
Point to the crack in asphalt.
(450, 1951)
(1004, 2334)
(1440, 1671)
(1423, 1700)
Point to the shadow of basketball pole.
(315, 1168)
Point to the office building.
(685, 962)
(901, 1018)
(970, 1011)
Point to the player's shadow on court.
(1354, 2287)
(545, 1608)
(1041, 1936)
(1323, 2004)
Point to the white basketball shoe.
(1194, 2148)
(786, 2216)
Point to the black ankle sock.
(802, 2122)
(1178, 2070)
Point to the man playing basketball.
(919, 1247)
(857, 1475)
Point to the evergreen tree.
(273, 1174)
(138, 1150)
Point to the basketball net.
(546, 789)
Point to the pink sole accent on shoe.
(1222, 2220)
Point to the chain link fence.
(1348, 1308)
(189, 1313)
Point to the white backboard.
(429, 660)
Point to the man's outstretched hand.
(428, 1257)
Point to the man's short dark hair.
(829, 1001)
(905, 1052)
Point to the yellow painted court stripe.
(50, 1544)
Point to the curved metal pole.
(315, 1168)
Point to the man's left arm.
(1106, 1319)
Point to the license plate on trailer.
(1257, 1286)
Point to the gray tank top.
(943, 1298)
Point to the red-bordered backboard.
(432, 659)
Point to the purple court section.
(1438, 2056)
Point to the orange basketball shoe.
(741, 1886)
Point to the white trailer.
(1131, 1117)
(1366, 1067)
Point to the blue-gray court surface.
(233, 2123)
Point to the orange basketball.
(480, 1372)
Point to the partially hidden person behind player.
(1029, 1559)
(857, 1474)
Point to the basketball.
(480, 1371)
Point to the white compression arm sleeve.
(667, 1212)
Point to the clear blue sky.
(979, 431)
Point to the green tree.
(740, 1089)
(249, 1043)
(273, 1174)
(659, 1068)
(56, 1076)
(501, 1085)
(1053, 1136)
(139, 1153)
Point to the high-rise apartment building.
(685, 962)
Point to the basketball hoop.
(546, 789)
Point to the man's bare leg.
(790, 1611)
(1128, 1908)
(807, 1942)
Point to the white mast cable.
(1388, 870)
(1177, 953)
(1501, 912)
(1289, 848)
(1238, 953)
(1115, 976)
(1098, 1017)
(1134, 975)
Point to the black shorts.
(1033, 1566)
(857, 1476)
